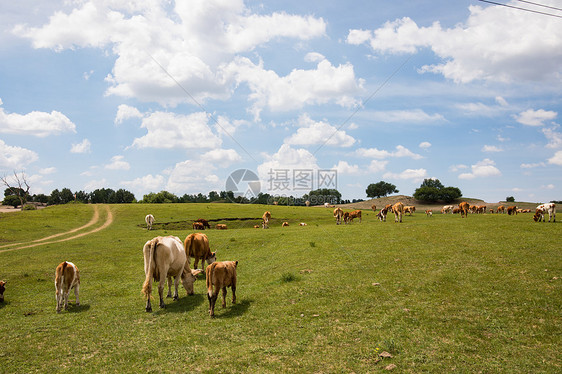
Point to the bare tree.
(17, 187)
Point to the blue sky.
(159, 95)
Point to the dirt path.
(48, 239)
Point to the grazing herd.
(168, 257)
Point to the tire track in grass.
(48, 239)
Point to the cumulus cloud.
(406, 116)
(556, 159)
(532, 117)
(82, 147)
(199, 44)
(489, 45)
(482, 169)
(186, 177)
(455, 168)
(125, 112)
(40, 124)
(118, 163)
(150, 183)
(343, 167)
(491, 148)
(532, 165)
(401, 151)
(175, 131)
(313, 132)
(425, 145)
(412, 174)
(554, 137)
(376, 166)
(46, 171)
(15, 157)
(222, 157)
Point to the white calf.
(149, 219)
(66, 278)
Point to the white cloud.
(556, 159)
(40, 124)
(186, 177)
(313, 132)
(413, 174)
(548, 187)
(481, 169)
(83, 147)
(406, 116)
(489, 45)
(46, 171)
(148, 183)
(343, 167)
(401, 151)
(376, 166)
(532, 165)
(15, 157)
(221, 157)
(425, 145)
(95, 184)
(491, 148)
(455, 168)
(532, 117)
(501, 101)
(554, 138)
(125, 112)
(175, 131)
(198, 45)
(118, 163)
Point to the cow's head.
(188, 277)
(212, 258)
(2, 289)
(537, 216)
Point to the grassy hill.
(440, 294)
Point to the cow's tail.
(147, 285)
(188, 245)
(209, 272)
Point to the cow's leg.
(76, 288)
(233, 287)
(58, 297)
(66, 293)
(161, 285)
(212, 300)
(176, 284)
(224, 297)
(196, 262)
(169, 287)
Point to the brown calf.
(67, 277)
(198, 226)
(2, 289)
(220, 275)
(220, 226)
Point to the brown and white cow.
(429, 212)
(284, 224)
(345, 217)
(464, 207)
(165, 257)
(220, 226)
(381, 215)
(149, 219)
(409, 209)
(220, 275)
(197, 246)
(2, 289)
(447, 209)
(543, 209)
(302, 224)
(338, 214)
(67, 277)
(398, 210)
(354, 214)
(198, 226)
(512, 210)
(265, 220)
(501, 209)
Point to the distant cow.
(302, 224)
(204, 222)
(285, 224)
(220, 226)
(542, 209)
(265, 220)
(429, 212)
(481, 209)
(512, 210)
(67, 277)
(447, 209)
(149, 219)
(2, 289)
(355, 214)
(374, 208)
(381, 215)
(338, 214)
(345, 217)
(501, 209)
(198, 226)
(256, 226)
(220, 275)
(409, 209)
(197, 246)
(398, 210)
(165, 257)
(464, 209)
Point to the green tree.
(66, 196)
(426, 193)
(450, 194)
(380, 189)
(323, 195)
(11, 200)
(430, 182)
(432, 190)
(124, 197)
(17, 187)
(54, 198)
(510, 199)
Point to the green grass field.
(440, 294)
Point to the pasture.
(439, 294)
